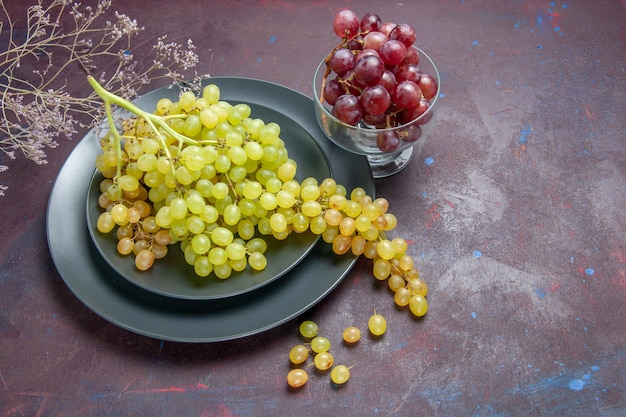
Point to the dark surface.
(514, 209)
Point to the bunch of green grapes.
(203, 173)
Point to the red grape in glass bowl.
(380, 104)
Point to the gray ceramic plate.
(105, 292)
(172, 276)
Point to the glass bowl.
(363, 139)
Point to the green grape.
(382, 269)
(402, 296)
(222, 271)
(235, 251)
(268, 200)
(351, 334)
(278, 222)
(147, 162)
(406, 262)
(221, 236)
(220, 190)
(347, 226)
(208, 118)
(310, 192)
(292, 186)
(246, 229)
(238, 174)
(164, 105)
(318, 225)
(385, 249)
(357, 194)
(287, 170)
(252, 190)
(285, 199)
(320, 344)
(185, 176)
(257, 261)
(192, 125)
(178, 208)
(237, 155)
(232, 214)
(217, 256)
(362, 223)
(223, 163)
(187, 100)
(323, 361)
(202, 266)
(247, 207)
(211, 93)
(396, 282)
(337, 202)
(253, 150)
(238, 265)
(300, 222)
(201, 244)
(273, 185)
(400, 245)
(209, 214)
(119, 213)
(296, 378)
(164, 217)
(340, 374)
(311, 208)
(105, 222)
(308, 329)
(418, 305)
(195, 224)
(256, 244)
(195, 202)
(298, 354)
(377, 324)
(418, 286)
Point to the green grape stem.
(151, 120)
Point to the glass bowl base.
(385, 165)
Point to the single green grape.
(308, 329)
(377, 324)
(351, 334)
(296, 378)
(320, 344)
(323, 361)
(340, 374)
(298, 354)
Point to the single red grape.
(332, 91)
(404, 33)
(370, 22)
(407, 95)
(388, 141)
(392, 52)
(342, 61)
(410, 133)
(375, 100)
(369, 69)
(374, 40)
(408, 72)
(428, 85)
(388, 80)
(347, 109)
(346, 23)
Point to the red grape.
(392, 52)
(369, 69)
(388, 141)
(341, 61)
(387, 27)
(374, 40)
(332, 91)
(388, 80)
(404, 33)
(347, 109)
(410, 133)
(370, 22)
(407, 95)
(428, 85)
(411, 57)
(408, 72)
(346, 23)
(375, 100)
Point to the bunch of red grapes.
(373, 78)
